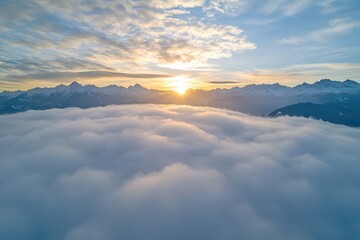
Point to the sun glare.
(181, 89)
(180, 85)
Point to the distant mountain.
(252, 99)
(341, 112)
(323, 86)
(73, 95)
(264, 98)
(6, 95)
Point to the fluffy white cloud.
(176, 172)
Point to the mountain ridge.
(258, 100)
(321, 86)
(341, 112)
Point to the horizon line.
(190, 88)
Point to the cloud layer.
(176, 172)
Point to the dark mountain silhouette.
(342, 112)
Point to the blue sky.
(154, 43)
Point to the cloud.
(285, 7)
(175, 3)
(279, 8)
(81, 75)
(335, 28)
(176, 172)
(267, 12)
(288, 8)
(121, 36)
(224, 82)
(227, 7)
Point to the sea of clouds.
(176, 172)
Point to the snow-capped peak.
(327, 86)
(320, 87)
(266, 89)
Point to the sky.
(201, 43)
(176, 172)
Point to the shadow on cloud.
(176, 172)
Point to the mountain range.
(333, 101)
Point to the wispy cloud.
(227, 7)
(224, 82)
(81, 75)
(282, 8)
(330, 6)
(335, 28)
(286, 7)
(174, 3)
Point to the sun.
(180, 84)
(180, 88)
